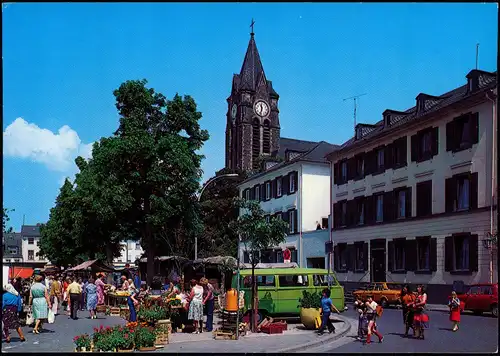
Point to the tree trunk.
(149, 243)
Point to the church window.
(266, 138)
(255, 144)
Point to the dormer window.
(359, 133)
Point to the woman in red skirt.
(454, 305)
(420, 318)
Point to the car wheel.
(494, 310)
(384, 303)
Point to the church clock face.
(234, 111)
(261, 108)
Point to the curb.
(320, 340)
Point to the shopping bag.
(51, 317)
(29, 318)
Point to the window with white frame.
(31, 255)
(343, 213)
(247, 194)
(463, 193)
(291, 219)
(399, 255)
(292, 183)
(31, 240)
(257, 193)
(279, 190)
(279, 216)
(268, 190)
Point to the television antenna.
(354, 98)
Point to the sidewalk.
(293, 339)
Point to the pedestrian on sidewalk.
(74, 293)
(371, 315)
(91, 291)
(39, 299)
(55, 295)
(11, 306)
(407, 299)
(421, 319)
(454, 305)
(196, 306)
(326, 309)
(360, 307)
(208, 302)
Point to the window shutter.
(336, 258)
(389, 212)
(411, 255)
(274, 189)
(262, 192)
(369, 209)
(285, 185)
(473, 190)
(336, 174)
(448, 253)
(408, 203)
(450, 135)
(295, 221)
(388, 156)
(365, 255)
(473, 253)
(390, 252)
(336, 215)
(285, 216)
(474, 127)
(433, 254)
(296, 175)
(351, 168)
(435, 140)
(252, 194)
(414, 148)
(449, 194)
(403, 145)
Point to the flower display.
(82, 341)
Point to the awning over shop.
(94, 265)
(20, 272)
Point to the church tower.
(253, 127)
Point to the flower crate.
(272, 329)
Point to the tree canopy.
(5, 220)
(141, 182)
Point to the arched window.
(266, 137)
(255, 143)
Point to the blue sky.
(63, 61)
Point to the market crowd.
(41, 299)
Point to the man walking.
(75, 295)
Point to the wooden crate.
(224, 335)
(101, 309)
(114, 311)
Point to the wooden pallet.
(224, 335)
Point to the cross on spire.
(251, 25)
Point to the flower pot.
(124, 350)
(147, 348)
(308, 317)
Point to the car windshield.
(394, 286)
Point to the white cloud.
(55, 150)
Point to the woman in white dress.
(196, 305)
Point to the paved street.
(58, 336)
(477, 334)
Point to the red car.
(481, 298)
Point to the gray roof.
(486, 80)
(12, 240)
(290, 144)
(316, 153)
(30, 231)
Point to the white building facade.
(130, 251)
(297, 191)
(413, 196)
(31, 236)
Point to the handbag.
(29, 318)
(51, 317)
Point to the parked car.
(481, 298)
(384, 293)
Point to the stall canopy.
(94, 265)
(21, 272)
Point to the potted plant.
(125, 339)
(145, 339)
(105, 340)
(310, 305)
(82, 343)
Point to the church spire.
(251, 69)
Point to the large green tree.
(256, 234)
(5, 220)
(218, 211)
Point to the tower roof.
(252, 66)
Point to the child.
(454, 305)
(371, 315)
(360, 307)
(326, 308)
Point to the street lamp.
(210, 181)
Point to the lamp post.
(210, 181)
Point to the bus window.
(265, 281)
(322, 280)
(293, 281)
